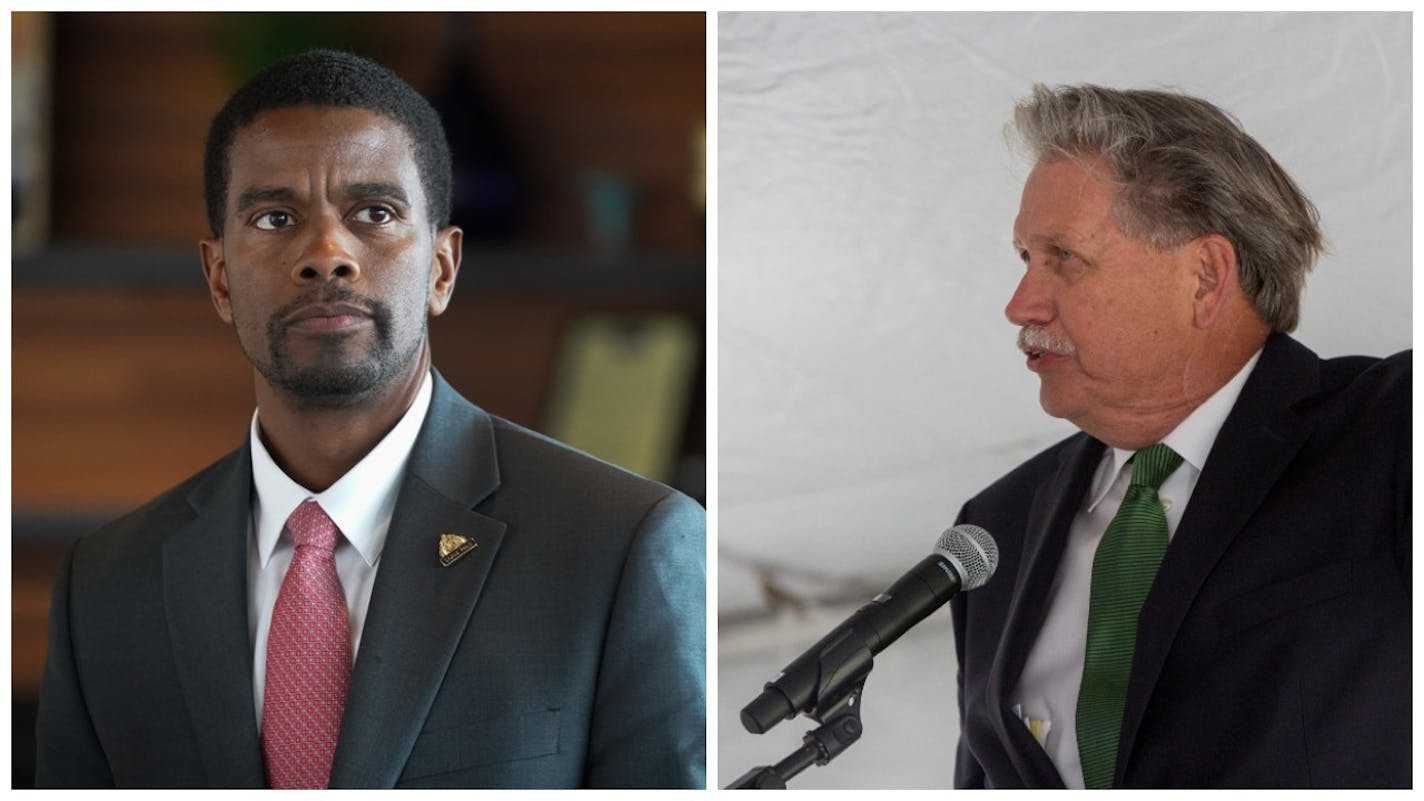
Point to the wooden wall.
(134, 94)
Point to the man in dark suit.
(385, 586)
(1209, 586)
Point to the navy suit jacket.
(1274, 647)
(567, 649)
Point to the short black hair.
(330, 79)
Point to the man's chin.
(337, 377)
(327, 385)
(1054, 405)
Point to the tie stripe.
(1124, 566)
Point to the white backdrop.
(868, 381)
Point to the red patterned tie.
(308, 659)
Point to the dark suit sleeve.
(68, 753)
(1404, 474)
(649, 721)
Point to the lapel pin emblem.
(452, 547)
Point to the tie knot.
(309, 525)
(1152, 465)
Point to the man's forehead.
(1066, 199)
(1086, 178)
(299, 127)
(283, 145)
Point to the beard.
(344, 374)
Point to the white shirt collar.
(358, 502)
(1191, 439)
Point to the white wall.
(868, 382)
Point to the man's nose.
(1032, 301)
(327, 252)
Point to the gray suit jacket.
(568, 649)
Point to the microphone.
(964, 558)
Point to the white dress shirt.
(360, 503)
(1047, 692)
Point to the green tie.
(1123, 568)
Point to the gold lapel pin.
(452, 547)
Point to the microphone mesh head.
(972, 551)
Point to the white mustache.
(1035, 338)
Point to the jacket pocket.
(530, 734)
(1272, 601)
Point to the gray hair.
(1187, 169)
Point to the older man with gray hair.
(1208, 585)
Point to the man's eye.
(1065, 255)
(375, 215)
(272, 220)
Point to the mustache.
(330, 296)
(1037, 338)
(379, 312)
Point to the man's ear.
(215, 271)
(1214, 276)
(444, 267)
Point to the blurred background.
(579, 148)
(868, 382)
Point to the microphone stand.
(839, 728)
(844, 665)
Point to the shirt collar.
(359, 502)
(1191, 439)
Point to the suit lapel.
(419, 609)
(1256, 443)
(1050, 516)
(205, 600)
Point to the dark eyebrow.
(376, 189)
(252, 197)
